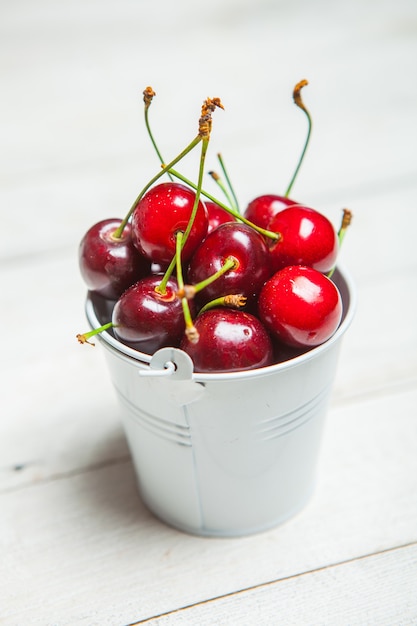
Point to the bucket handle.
(169, 369)
(170, 362)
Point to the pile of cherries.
(234, 290)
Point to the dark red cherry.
(300, 306)
(248, 249)
(147, 320)
(307, 238)
(262, 209)
(107, 264)
(217, 215)
(229, 340)
(163, 211)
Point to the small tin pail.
(224, 454)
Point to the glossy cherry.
(163, 211)
(229, 340)
(307, 238)
(147, 320)
(246, 247)
(263, 208)
(107, 264)
(217, 215)
(300, 306)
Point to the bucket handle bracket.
(170, 362)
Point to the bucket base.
(208, 483)
(227, 533)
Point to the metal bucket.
(223, 454)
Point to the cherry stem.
(148, 96)
(233, 301)
(86, 336)
(164, 170)
(346, 220)
(204, 128)
(223, 187)
(299, 102)
(204, 145)
(189, 291)
(266, 233)
(190, 330)
(235, 202)
(161, 288)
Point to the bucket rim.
(143, 360)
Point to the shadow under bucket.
(223, 454)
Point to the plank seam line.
(273, 582)
(69, 474)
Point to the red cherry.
(300, 306)
(246, 247)
(163, 211)
(148, 320)
(107, 264)
(217, 215)
(262, 209)
(229, 340)
(307, 238)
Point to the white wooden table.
(77, 545)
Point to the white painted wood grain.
(83, 549)
(77, 547)
(344, 595)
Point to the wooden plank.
(380, 349)
(58, 404)
(83, 549)
(378, 589)
(101, 76)
(84, 157)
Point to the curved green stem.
(299, 102)
(235, 202)
(267, 233)
(310, 124)
(234, 301)
(223, 188)
(190, 329)
(204, 146)
(168, 272)
(171, 267)
(229, 264)
(190, 290)
(151, 137)
(83, 338)
(164, 170)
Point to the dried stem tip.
(192, 334)
(148, 95)
(235, 300)
(84, 339)
(204, 124)
(297, 93)
(346, 219)
(188, 291)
